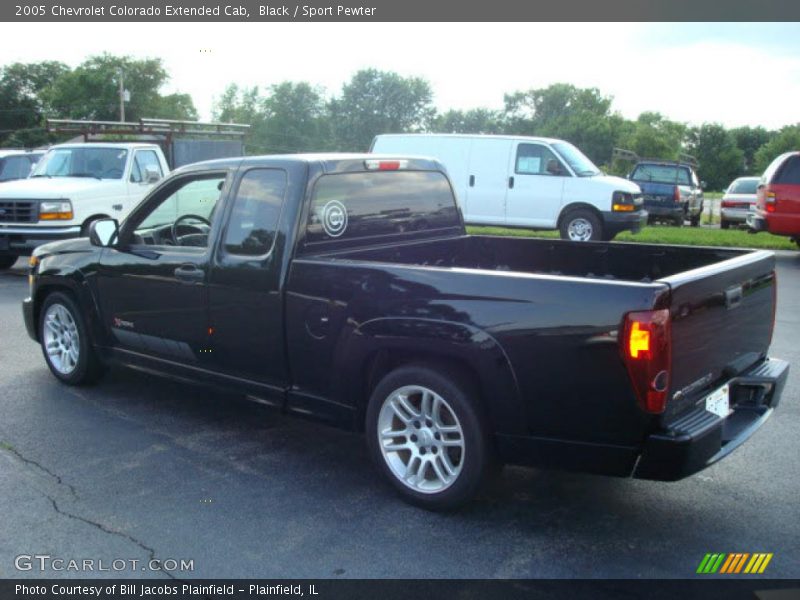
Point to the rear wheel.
(581, 225)
(724, 224)
(694, 221)
(428, 437)
(65, 341)
(7, 261)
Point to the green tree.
(785, 140)
(91, 91)
(22, 101)
(291, 117)
(296, 117)
(579, 115)
(477, 120)
(651, 135)
(715, 148)
(374, 102)
(749, 140)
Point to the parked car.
(71, 186)
(778, 198)
(739, 199)
(344, 288)
(671, 191)
(517, 181)
(17, 164)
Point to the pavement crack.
(150, 551)
(29, 461)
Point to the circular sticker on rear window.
(334, 218)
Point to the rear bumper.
(738, 215)
(664, 210)
(22, 240)
(700, 438)
(756, 222)
(614, 222)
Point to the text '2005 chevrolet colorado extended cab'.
(344, 288)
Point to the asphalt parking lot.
(138, 467)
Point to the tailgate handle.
(733, 297)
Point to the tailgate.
(722, 319)
(657, 192)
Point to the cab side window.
(141, 161)
(254, 216)
(534, 159)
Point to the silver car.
(738, 200)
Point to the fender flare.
(357, 350)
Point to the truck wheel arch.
(375, 349)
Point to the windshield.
(100, 163)
(577, 160)
(661, 174)
(743, 186)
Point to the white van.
(519, 181)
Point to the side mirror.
(553, 167)
(151, 174)
(103, 232)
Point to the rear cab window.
(380, 204)
(662, 174)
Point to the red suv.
(778, 198)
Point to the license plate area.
(718, 402)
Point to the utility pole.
(121, 97)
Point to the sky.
(734, 74)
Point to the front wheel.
(694, 221)
(428, 437)
(7, 261)
(581, 226)
(724, 224)
(67, 349)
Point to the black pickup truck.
(344, 288)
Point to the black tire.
(678, 221)
(589, 220)
(88, 367)
(477, 463)
(695, 220)
(724, 224)
(7, 261)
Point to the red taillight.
(677, 194)
(647, 352)
(770, 202)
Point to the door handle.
(190, 273)
(472, 181)
(511, 183)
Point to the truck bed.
(624, 262)
(721, 301)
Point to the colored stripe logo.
(734, 563)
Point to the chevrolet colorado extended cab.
(344, 288)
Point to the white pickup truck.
(71, 186)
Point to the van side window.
(255, 212)
(532, 159)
